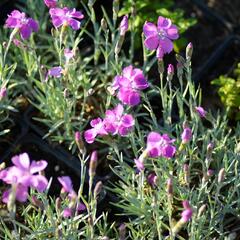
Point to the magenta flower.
(22, 174)
(66, 17)
(55, 72)
(186, 215)
(18, 20)
(50, 3)
(186, 135)
(124, 25)
(3, 92)
(160, 145)
(118, 123)
(97, 129)
(200, 110)
(129, 83)
(68, 54)
(160, 37)
(152, 179)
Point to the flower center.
(161, 33)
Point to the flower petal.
(150, 29)
(151, 42)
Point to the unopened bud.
(179, 69)
(124, 25)
(189, 51)
(180, 60)
(201, 210)
(58, 203)
(103, 24)
(11, 199)
(93, 163)
(79, 141)
(115, 9)
(119, 44)
(170, 72)
(160, 66)
(98, 189)
(105, 238)
(221, 175)
(122, 232)
(65, 93)
(170, 187)
(3, 93)
(36, 202)
(2, 166)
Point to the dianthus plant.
(173, 166)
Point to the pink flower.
(152, 179)
(186, 215)
(97, 129)
(23, 175)
(67, 187)
(129, 83)
(68, 54)
(160, 145)
(186, 135)
(187, 212)
(160, 37)
(118, 123)
(18, 20)
(124, 25)
(139, 164)
(65, 16)
(200, 110)
(50, 3)
(3, 92)
(55, 72)
(66, 183)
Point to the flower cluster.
(157, 146)
(160, 145)
(128, 85)
(24, 25)
(160, 37)
(115, 122)
(22, 176)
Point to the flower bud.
(170, 187)
(201, 112)
(124, 25)
(201, 210)
(93, 163)
(97, 189)
(58, 203)
(67, 212)
(79, 141)
(160, 66)
(2, 166)
(186, 204)
(186, 135)
(152, 179)
(122, 232)
(36, 202)
(3, 92)
(104, 25)
(115, 9)
(170, 72)
(221, 175)
(189, 51)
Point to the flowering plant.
(168, 158)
